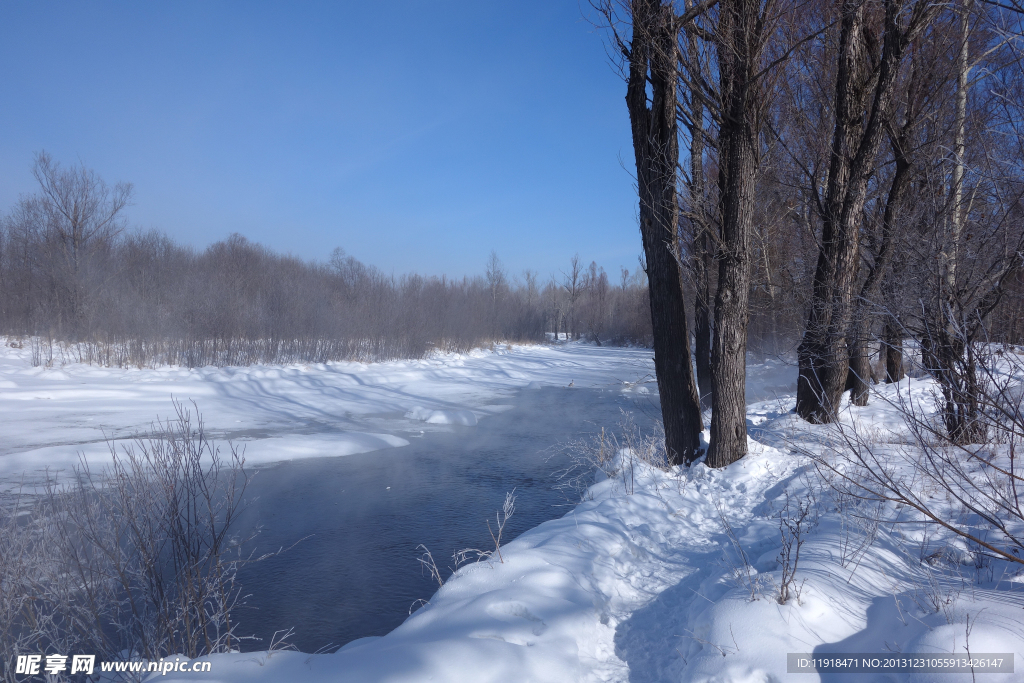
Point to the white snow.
(646, 587)
(655, 576)
(52, 415)
(442, 417)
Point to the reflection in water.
(357, 574)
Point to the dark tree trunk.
(823, 352)
(952, 349)
(739, 33)
(702, 320)
(860, 366)
(653, 59)
(958, 378)
(928, 356)
(858, 379)
(893, 339)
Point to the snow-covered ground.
(51, 415)
(643, 581)
(655, 576)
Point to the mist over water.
(357, 575)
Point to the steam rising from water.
(357, 574)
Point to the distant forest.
(79, 285)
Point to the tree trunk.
(702, 320)
(859, 376)
(653, 59)
(860, 366)
(739, 31)
(958, 378)
(954, 352)
(893, 337)
(823, 353)
(728, 441)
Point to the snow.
(646, 586)
(654, 576)
(465, 418)
(54, 415)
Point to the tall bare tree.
(978, 248)
(572, 283)
(651, 57)
(74, 215)
(865, 82)
(917, 100)
(740, 40)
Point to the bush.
(138, 560)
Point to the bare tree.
(864, 93)
(596, 296)
(74, 215)
(497, 284)
(652, 58)
(740, 41)
(530, 280)
(970, 248)
(916, 101)
(572, 283)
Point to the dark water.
(357, 574)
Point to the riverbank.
(677, 576)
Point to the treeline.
(78, 285)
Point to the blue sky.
(417, 135)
